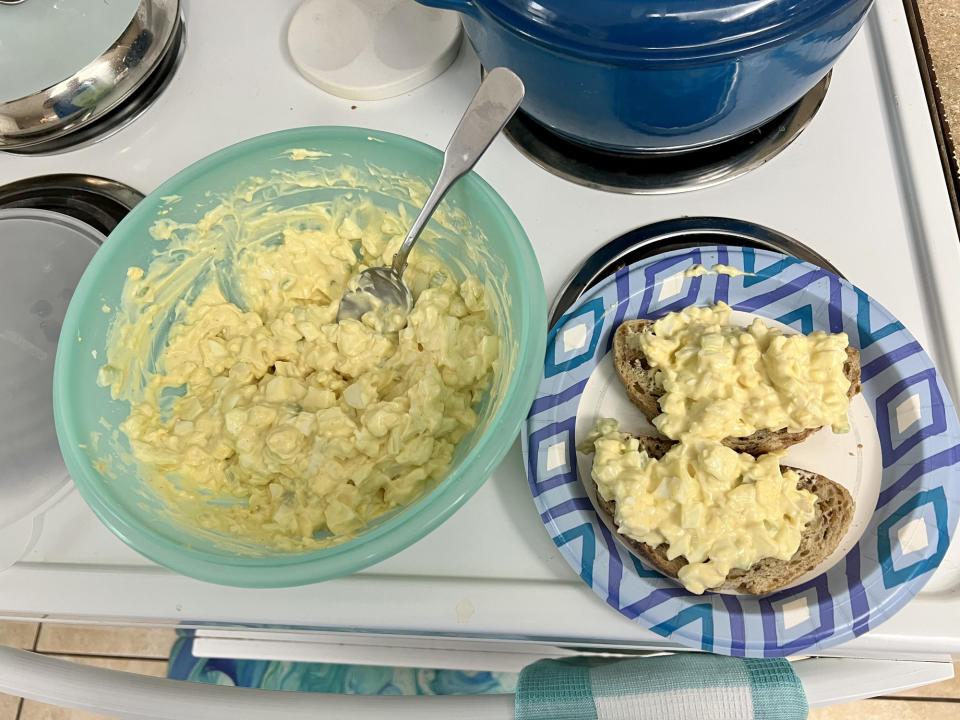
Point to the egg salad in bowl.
(221, 421)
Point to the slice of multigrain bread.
(638, 378)
(834, 511)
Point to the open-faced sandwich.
(754, 388)
(710, 504)
(714, 518)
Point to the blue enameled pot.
(660, 75)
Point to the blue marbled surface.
(329, 678)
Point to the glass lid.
(42, 256)
(48, 41)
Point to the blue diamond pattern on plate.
(666, 288)
(913, 539)
(576, 340)
(552, 456)
(917, 425)
(796, 618)
(907, 412)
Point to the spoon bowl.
(379, 293)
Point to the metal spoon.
(381, 289)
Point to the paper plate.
(898, 461)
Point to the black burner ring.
(650, 173)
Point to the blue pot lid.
(664, 29)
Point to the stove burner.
(95, 201)
(669, 235)
(663, 172)
(127, 111)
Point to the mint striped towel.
(685, 686)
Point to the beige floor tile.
(8, 707)
(33, 710)
(941, 23)
(17, 634)
(946, 689)
(141, 642)
(885, 710)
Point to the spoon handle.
(496, 100)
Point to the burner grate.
(652, 173)
(97, 202)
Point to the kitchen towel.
(685, 686)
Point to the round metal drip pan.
(97, 202)
(669, 235)
(650, 173)
(125, 113)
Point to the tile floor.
(145, 651)
(130, 649)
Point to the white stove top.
(862, 185)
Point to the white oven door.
(827, 680)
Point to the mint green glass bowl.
(131, 509)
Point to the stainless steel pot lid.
(73, 61)
(50, 40)
(42, 256)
